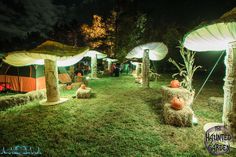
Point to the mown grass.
(121, 119)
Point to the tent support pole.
(138, 69)
(94, 66)
(145, 69)
(51, 78)
(229, 108)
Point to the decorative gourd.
(83, 86)
(174, 84)
(177, 103)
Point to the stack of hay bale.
(178, 117)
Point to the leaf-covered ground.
(121, 119)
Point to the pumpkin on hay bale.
(180, 118)
(177, 103)
(175, 84)
(83, 91)
(168, 93)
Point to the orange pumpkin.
(174, 84)
(83, 86)
(177, 103)
(79, 74)
(69, 87)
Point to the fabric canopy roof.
(214, 36)
(92, 53)
(110, 60)
(157, 51)
(136, 63)
(48, 50)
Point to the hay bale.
(21, 99)
(168, 93)
(181, 118)
(83, 93)
(216, 101)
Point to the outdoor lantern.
(220, 35)
(151, 51)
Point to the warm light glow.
(24, 59)
(135, 63)
(93, 53)
(214, 37)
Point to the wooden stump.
(83, 93)
(145, 69)
(181, 118)
(168, 93)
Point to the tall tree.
(101, 34)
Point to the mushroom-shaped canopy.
(93, 53)
(111, 59)
(63, 54)
(214, 36)
(157, 51)
(135, 63)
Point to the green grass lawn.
(121, 119)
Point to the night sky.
(15, 14)
(26, 23)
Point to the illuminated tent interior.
(150, 51)
(94, 55)
(52, 54)
(28, 78)
(137, 67)
(109, 62)
(220, 35)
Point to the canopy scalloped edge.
(26, 58)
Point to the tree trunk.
(94, 66)
(229, 108)
(51, 77)
(138, 69)
(145, 69)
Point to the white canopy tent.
(94, 56)
(153, 51)
(157, 51)
(27, 58)
(52, 54)
(110, 61)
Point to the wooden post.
(51, 78)
(229, 108)
(94, 66)
(145, 69)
